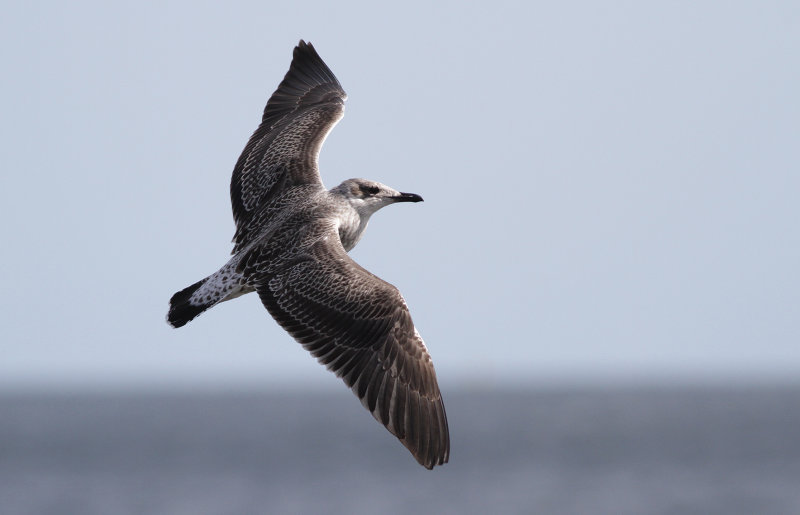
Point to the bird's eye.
(369, 190)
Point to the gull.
(290, 247)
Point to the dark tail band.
(181, 311)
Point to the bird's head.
(368, 196)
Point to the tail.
(182, 309)
(223, 285)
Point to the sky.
(611, 189)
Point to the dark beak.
(408, 197)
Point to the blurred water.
(621, 451)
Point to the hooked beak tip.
(408, 197)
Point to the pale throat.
(352, 224)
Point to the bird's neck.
(352, 224)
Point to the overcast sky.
(611, 189)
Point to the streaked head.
(368, 196)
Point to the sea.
(624, 450)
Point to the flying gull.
(290, 246)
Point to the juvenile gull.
(290, 246)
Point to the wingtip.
(427, 436)
(431, 464)
(434, 463)
(304, 47)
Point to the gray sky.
(611, 189)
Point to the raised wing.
(359, 327)
(284, 150)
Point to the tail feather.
(182, 309)
(224, 284)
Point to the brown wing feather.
(284, 150)
(360, 328)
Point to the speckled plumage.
(290, 246)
